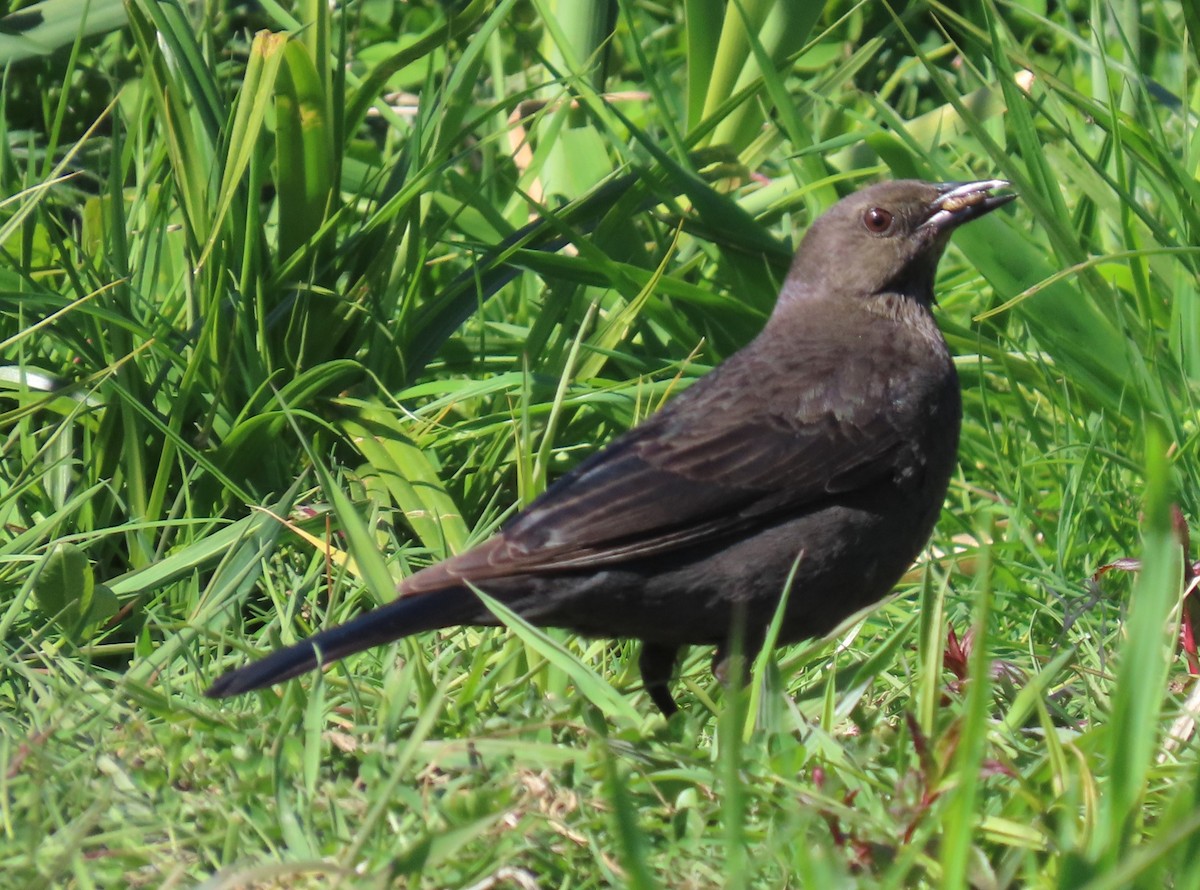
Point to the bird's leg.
(657, 663)
(731, 662)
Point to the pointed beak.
(961, 202)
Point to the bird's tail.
(399, 618)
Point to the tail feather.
(396, 620)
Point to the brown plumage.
(826, 444)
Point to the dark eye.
(877, 220)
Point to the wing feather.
(710, 464)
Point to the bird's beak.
(961, 202)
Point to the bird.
(816, 458)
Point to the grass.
(295, 300)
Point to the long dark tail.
(399, 618)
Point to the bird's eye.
(877, 220)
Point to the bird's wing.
(711, 463)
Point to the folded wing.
(710, 464)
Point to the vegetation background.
(296, 298)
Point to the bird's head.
(887, 238)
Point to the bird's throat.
(902, 307)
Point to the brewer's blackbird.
(824, 446)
